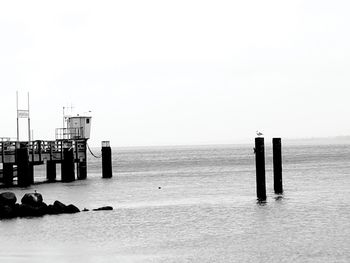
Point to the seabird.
(259, 133)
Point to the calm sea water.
(204, 211)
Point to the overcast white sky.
(178, 72)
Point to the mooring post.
(106, 160)
(22, 160)
(82, 170)
(7, 174)
(50, 171)
(82, 165)
(260, 168)
(31, 173)
(67, 168)
(277, 165)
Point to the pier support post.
(277, 165)
(82, 163)
(50, 171)
(22, 159)
(67, 169)
(260, 168)
(7, 174)
(31, 173)
(82, 170)
(106, 160)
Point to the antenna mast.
(17, 116)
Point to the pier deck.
(39, 150)
(19, 158)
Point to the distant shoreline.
(292, 141)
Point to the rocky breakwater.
(32, 205)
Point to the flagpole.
(63, 119)
(17, 115)
(28, 120)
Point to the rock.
(8, 198)
(7, 211)
(103, 208)
(43, 208)
(25, 210)
(16, 209)
(52, 210)
(59, 207)
(71, 209)
(33, 199)
(85, 210)
(30, 210)
(32, 205)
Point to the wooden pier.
(22, 156)
(18, 158)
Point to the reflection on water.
(205, 210)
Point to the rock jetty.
(32, 205)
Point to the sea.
(193, 204)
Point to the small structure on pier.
(78, 127)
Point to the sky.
(177, 72)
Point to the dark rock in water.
(7, 211)
(43, 208)
(33, 199)
(85, 210)
(59, 207)
(71, 209)
(27, 210)
(8, 198)
(52, 210)
(16, 209)
(32, 205)
(103, 208)
(30, 210)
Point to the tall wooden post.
(7, 174)
(31, 173)
(260, 168)
(67, 168)
(277, 165)
(82, 170)
(22, 160)
(51, 171)
(82, 164)
(106, 160)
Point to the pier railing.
(40, 150)
(69, 133)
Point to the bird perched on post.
(259, 133)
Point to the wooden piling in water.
(7, 174)
(277, 165)
(22, 160)
(50, 171)
(81, 170)
(260, 168)
(82, 163)
(31, 173)
(106, 160)
(67, 166)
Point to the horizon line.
(240, 142)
